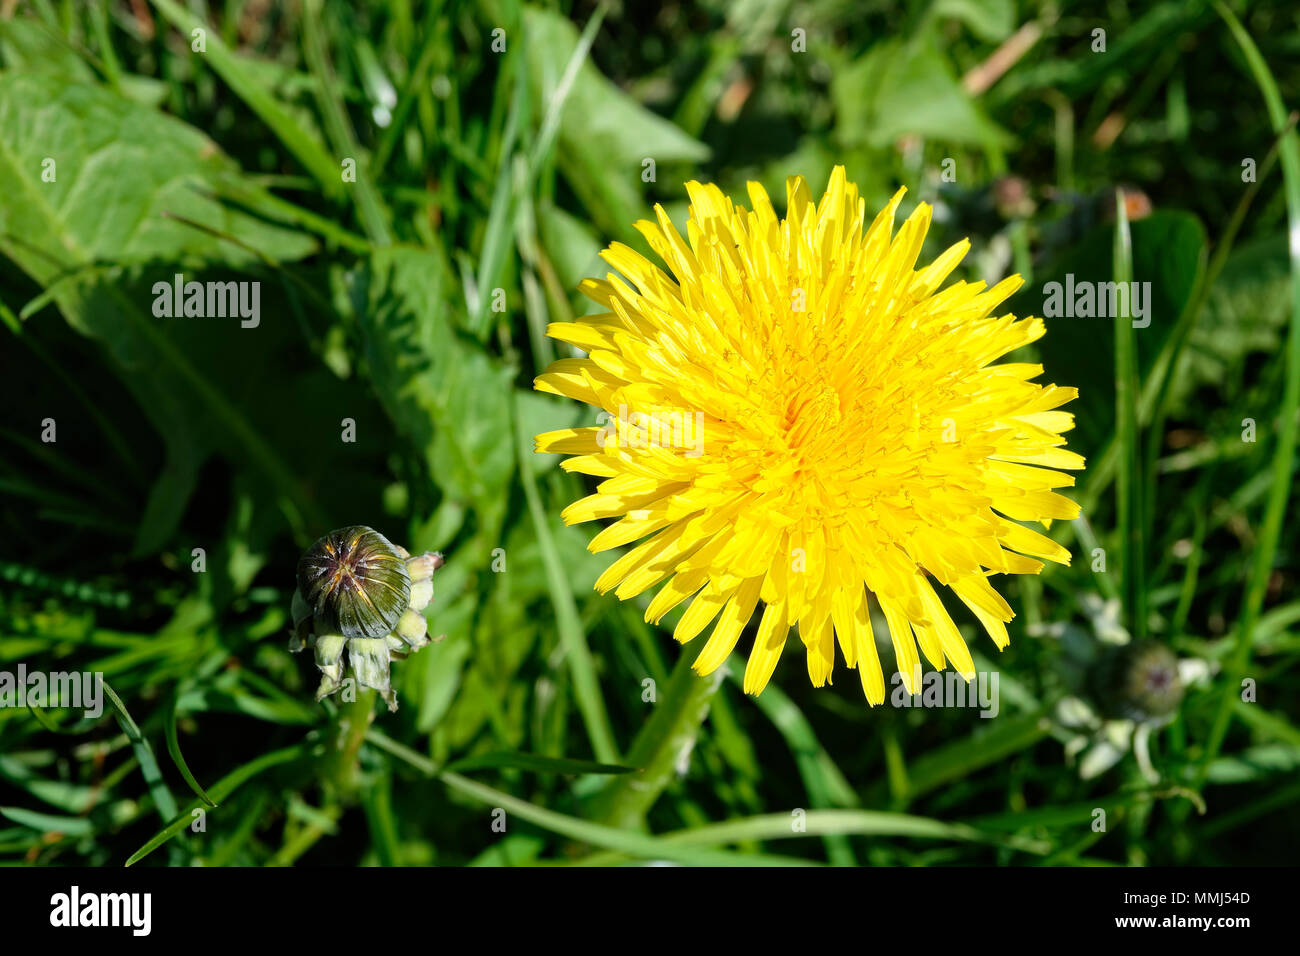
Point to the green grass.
(485, 177)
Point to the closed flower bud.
(360, 594)
(355, 582)
(1138, 682)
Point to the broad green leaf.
(34, 48)
(93, 179)
(120, 171)
(1246, 312)
(573, 249)
(442, 670)
(539, 412)
(598, 116)
(990, 20)
(899, 88)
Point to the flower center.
(812, 412)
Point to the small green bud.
(413, 629)
(421, 594)
(422, 566)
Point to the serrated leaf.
(447, 396)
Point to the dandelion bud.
(361, 595)
(355, 582)
(1138, 682)
(413, 629)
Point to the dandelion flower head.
(797, 418)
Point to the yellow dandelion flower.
(795, 415)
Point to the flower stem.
(340, 767)
(663, 744)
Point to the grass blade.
(162, 796)
(287, 130)
(222, 789)
(1284, 452)
(822, 779)
(174, 748)
(837, 823)
(340, 127)
(49, 822)
(627, 842)
(1128, 480)
(624, 842)
(502, 760)
(963, 757)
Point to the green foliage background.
(479, 170)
